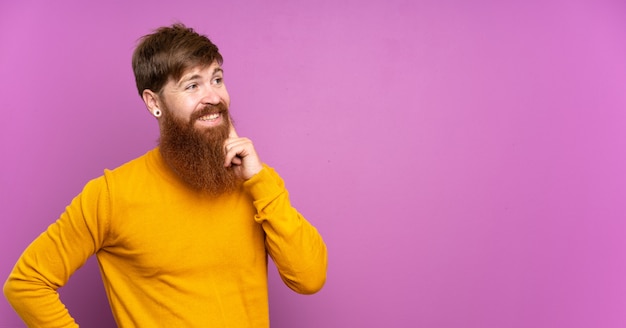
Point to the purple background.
(464, 160)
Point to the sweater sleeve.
(50, 260)
(294, 244)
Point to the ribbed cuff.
(265, 185)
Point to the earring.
(157, 113)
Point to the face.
(191, 99)
(194, 127)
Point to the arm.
(52, 258)
(293, 243)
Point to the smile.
(210, 117)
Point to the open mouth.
(209, 117)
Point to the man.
(181, 233)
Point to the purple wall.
(466, 163)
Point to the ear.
(151, 100)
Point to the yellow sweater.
(169, 256)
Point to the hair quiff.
(168, 53)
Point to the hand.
(241, 155)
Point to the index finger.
(232, 133)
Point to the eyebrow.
(198, 76)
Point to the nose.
(211, 97)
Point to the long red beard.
(197, 157)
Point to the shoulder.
(131, 175)
(136, 165)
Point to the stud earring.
(157, 113)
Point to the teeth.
(210, 117)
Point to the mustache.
(209, 109)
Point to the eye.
(191, 86)
(218, 80)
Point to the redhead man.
(182, 233)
